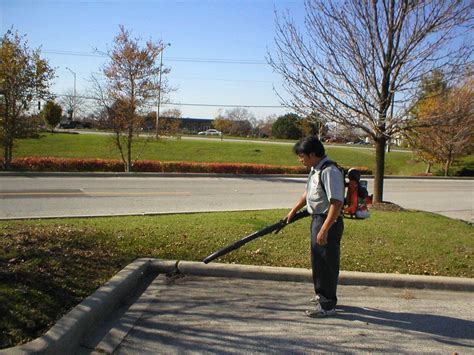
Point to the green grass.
(48, 266)
(99, 146)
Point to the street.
(43, 196)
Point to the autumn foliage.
(445, 125)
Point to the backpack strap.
(324, 166)
(320, 172)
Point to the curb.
(352, 278)
(142, 174)
(65, 336)
(406, 281)
(191, 175)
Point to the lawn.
(100, 146)
(48, 266)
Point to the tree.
(313, 124)
(264, 127)
(223, 124)
(243, 121)
(131, 85)
(24, 79)
(432, 85)
(73, 103)
(359, 62)
(170, 121)
(287, 127)
(237, 122)
(52, 113)
(445, 118)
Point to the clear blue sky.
(200, 32)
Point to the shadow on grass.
(43, 274)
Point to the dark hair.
(310, 144)
(353, 174)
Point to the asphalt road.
(23, 197)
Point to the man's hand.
(322, 238)
(300, 204)
(333, 213)
(290, 216)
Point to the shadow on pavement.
(427, 323)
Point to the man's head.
(310, 150)
(310, 144)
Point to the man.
(324, 198)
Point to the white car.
(210, 132)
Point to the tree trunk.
(446, 167)
(448, 163)
(8, 155)
(129, 150)
(5, 157)
(379, 168)
(428, 168)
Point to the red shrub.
(77, 164)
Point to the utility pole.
(159, 92)
(74, 98)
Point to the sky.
(217, 53)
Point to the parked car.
(210, 132)
(67, 125)
(75, 124)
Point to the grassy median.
(48, 266)
(213, 151)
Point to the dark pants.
(325, 261)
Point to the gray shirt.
(317, 201)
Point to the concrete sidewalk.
(155, 306)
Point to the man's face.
(309, 160)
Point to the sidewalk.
(218, 308)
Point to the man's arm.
(300, 204)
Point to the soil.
(387, 206)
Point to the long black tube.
(274, 227)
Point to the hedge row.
(103, 165)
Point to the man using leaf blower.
(324, 198)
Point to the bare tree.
(130, 87)
(360, 62)
(73, 103)
(243, 121)
(264, 127)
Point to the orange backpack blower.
(357, 198)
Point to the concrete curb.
(157, 174)
(128, 214)
(65, 336)
(406, 281)
(244, 271)
(345, 277)
(143, 174)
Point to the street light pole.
(74, 98)
(159, 92)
